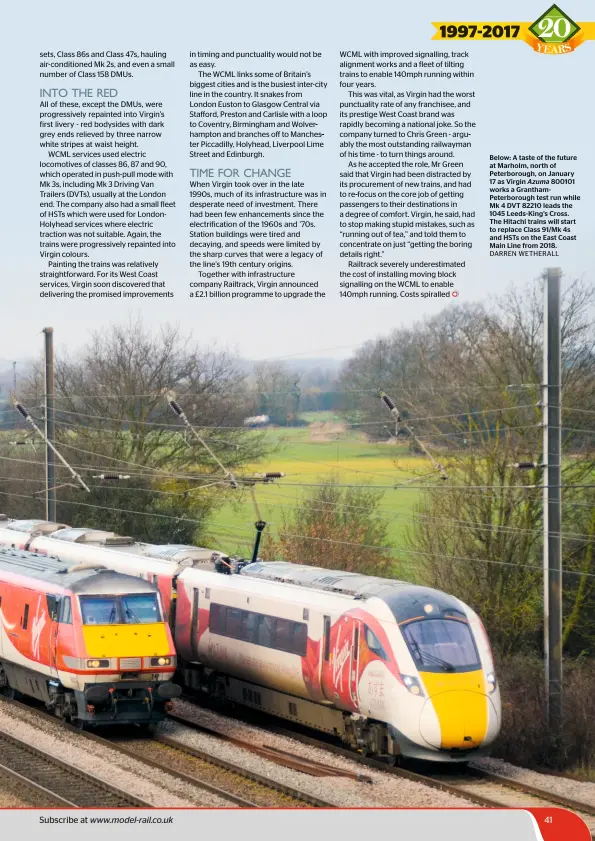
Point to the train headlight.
(413, 685)
(97, 664)
(491, 682)
(160, 662)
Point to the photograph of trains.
(393, 669)
(91, 643)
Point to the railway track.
(507, 792)
(247, 789)
(480, 787)
(58, 782)
(279, 757)
(219, 776)
(230, 781)
(476, 785)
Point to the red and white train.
(389, 667)
(91, 643)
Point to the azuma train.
(391, 668)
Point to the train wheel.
(8, 692)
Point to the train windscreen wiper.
(130, 614)
(431, 657)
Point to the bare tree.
(335, 528)
(113, 418)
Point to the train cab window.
(141, 608)
(25, 620)
(53, 603)
(441, 645)
(374, 644)
(65, 611)
(99, 610)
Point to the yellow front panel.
(461, 705)
(126, 640)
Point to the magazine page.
(297, 419)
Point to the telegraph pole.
(50, 427)
(552, 503)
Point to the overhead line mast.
(24, 413)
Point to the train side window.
(266, 631)
(300, 639)
(25, 620)
(355, 643)
(327, 637)
(374, 644)
(217, 619)
(250, 626)
(283, 635)
(65, 611)
(233, 626)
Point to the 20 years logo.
(553, 33)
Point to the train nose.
(456, 719)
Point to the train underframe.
(119, 702)
(365, 735)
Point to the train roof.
(30, 526)
(173, 554)
(80, 578)
(405, 600)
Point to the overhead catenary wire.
(402, 486)
(183, 518)
(482, 527)
(417, 419)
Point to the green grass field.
(312, 454)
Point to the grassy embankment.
(312, 454)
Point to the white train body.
(364, 657)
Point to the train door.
(194, 629)
(53, 610)
(340, 666)
(354, 665)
